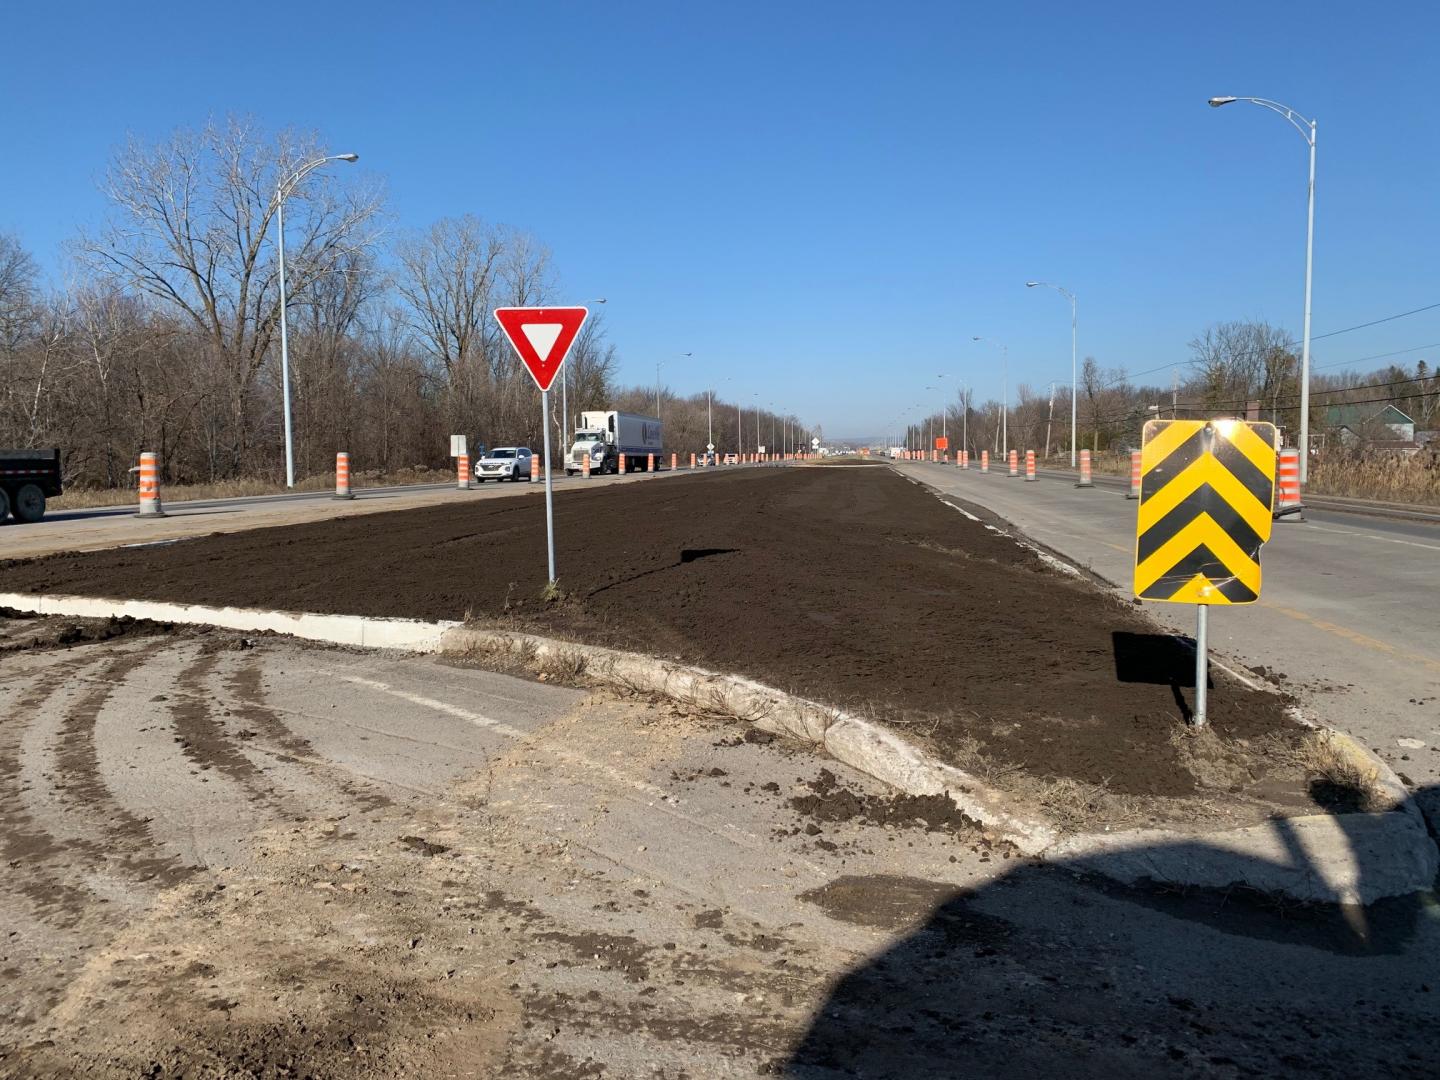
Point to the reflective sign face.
(1206, 491)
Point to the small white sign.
(815, 443)
(710, 447)
(457, 445)
(761, 449)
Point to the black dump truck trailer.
(27, 479)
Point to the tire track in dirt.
(202, 736)
(130, 843)
(243, 683)
(27, 847)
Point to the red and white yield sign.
(542, 337)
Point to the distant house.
(1356, 424)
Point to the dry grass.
(1338, 779)
(80, 498)
(1413, 480)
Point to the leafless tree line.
(166, 335)
(1234, 369)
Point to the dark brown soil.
(852, 586)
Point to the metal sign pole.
(549, 510)
(1202, 661)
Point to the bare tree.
(191, 219)
(17, 291)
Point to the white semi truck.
(606, 437)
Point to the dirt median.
(855, 587)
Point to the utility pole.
(1049, 420)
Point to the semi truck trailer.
(605, 437)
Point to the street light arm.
(287, 186)
(1305, 127)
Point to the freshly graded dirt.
(855, 587)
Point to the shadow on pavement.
(1055, 971)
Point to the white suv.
(504, 463)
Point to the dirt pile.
(854, 587)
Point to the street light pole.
(1005, 395)
(282, 192)
(1074, 369)
(1306, 128)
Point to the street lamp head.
(347, 157)
(1216, 102)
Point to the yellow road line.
(1356, 638)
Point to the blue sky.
(823, 202)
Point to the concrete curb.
(410, 635)
(1349, 858)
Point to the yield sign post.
(541, 337)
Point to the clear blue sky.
(823, 201)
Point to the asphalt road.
(1346, 614)
(237, 857)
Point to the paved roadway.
(227, 855)
(1347, 609)
(88, 529)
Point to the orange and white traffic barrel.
(1085, 480)
(1030, 476)
(585, 467)
(1134, 492)
(692, 459)
(150, 486)
(342, 476)
(984, 460)
(621, 467)
(649, 462)
(462, 472)
(1014, 462)
(534, 467)
(673, 460)
(1287, 485)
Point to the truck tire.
(29, 504)
(4, 506)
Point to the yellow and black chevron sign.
(1206, 487)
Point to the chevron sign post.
(1206, 490)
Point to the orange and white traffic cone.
(621, 468)
(673, 465)
(1030, 476)
(1134, 492)
(1014, 462)
(692, 459)
(534, 468)
(150, 486)
(342, 476)
(649, 462)
(984, 461)
(462, 472)
(1085, 480)
(585, 467)
(1287, 486)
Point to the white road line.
(1373, 536)
(505, 729)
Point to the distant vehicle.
(504, 463)
(732, 459)
(27, 479)
(605, 437)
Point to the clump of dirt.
(831, 801)
(20, 632)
